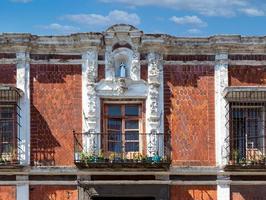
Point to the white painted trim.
(23, 83)
(22, 191)
(223, 191)
(221, 82)
(89, 99)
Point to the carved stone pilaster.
(154, 64)
(109, 64)
(89, 73)
(153, 114)
(135, 66)
(91, 93)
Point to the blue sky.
(174, 17)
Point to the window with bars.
(9, 124)
(246, 122)
(8, 127)
(247, 131)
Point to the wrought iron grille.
(104, 150)
(10, 117)
(246, 143)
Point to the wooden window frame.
(141, 118)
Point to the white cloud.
(59, 28)
(114, 17)
(204, 7)
(194, 31)
(189, 20)
(21, 1)
(252, 12)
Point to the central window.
(122, 127)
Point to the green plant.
(137, 156)
(112, 156)
(235, 156)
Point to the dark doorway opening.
(123, 198)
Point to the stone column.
(89, 101)
(22, 188)
(153, 106)
(221, 131)
(223, 188)
(23, 83)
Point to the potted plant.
(235, 157)
(100, 156)
(156, 158)
(112, 157)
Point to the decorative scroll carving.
(109, 64)
(135, 66)
(91, 92)
(154, 65)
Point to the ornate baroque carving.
(135, 66)
(91, 75)
(154, 63)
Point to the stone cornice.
(167, 44)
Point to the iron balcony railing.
(117, 150)
(9, 145)
(247, 152)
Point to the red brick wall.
(101, 72)
(55, 111)
(7, 192)
(247, 75)
(248, 192)
(144, 72)
(8, 74)
(53, 193)
(189, 113)
(193, 193)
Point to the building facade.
(127, 115)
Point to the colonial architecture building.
(126, 115)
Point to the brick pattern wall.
(189, 113)
(7, 55)
(247, 75)
(189, 57)
(101, 72)
(144, 72)
(53, 193)
(55, 111)
(7, 192)
(193, 193)
(247, 57)
(248, 192)
(8, 74)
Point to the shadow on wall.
(193, 193)
(43, 143)
(189, 113)
(248, 192)
(247, 75)
(55, 112)
(53, 192)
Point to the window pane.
(132, 124)
(114, 146)
(115, 136)
(115, 124)
(6, 112)
(132, 146)
(114, 110)
(132, 135)
(132, 110)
